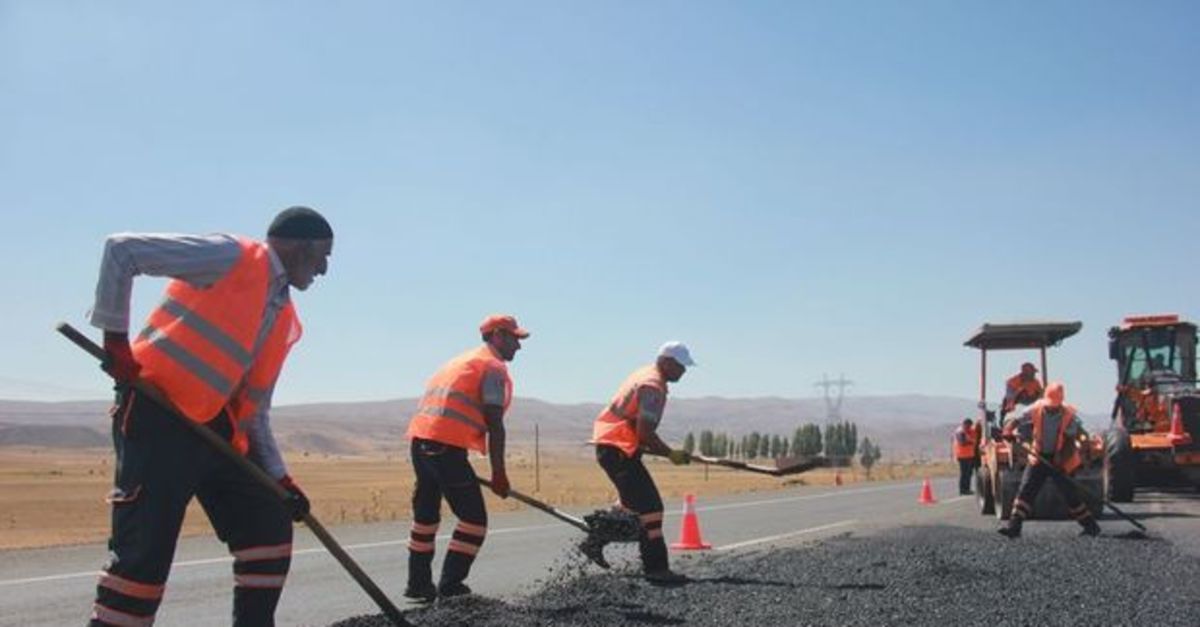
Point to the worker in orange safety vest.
(214, 349)
(462, 410)
(965, 449)
(1056, 433)
(625, 428)
(1022, 388)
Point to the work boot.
(666, 577)
(1090, 529)
(453, 589)
(455, 569)
(421, 592)
(420, 577)
(654, 555)
(1013, 530)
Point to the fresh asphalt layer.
(54, 586)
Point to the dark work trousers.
(966, 468)
(1031, 483)
(638, 493)
(160, 466)
(443, 471)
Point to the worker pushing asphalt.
(462, 409)
(1055, 432)
(627, 427)
(213, 349)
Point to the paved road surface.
(53, 587)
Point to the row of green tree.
(839, 439)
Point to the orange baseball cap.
(502, 321)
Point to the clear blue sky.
(790, 187)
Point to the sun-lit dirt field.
(50, 497)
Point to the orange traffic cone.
(837, 478)
(926, 493)
(689, 534)
(1178, 436)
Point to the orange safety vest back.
(1065, 454)
(451, 411)
(964, 443)
(198, 345)
(617, 424)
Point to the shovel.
(601, 527)
(259, 476)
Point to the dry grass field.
(52, 497)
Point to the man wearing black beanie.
(214, 348)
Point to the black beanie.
(300, 223)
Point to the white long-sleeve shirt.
(201, 260)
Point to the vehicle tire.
(1003, 501)
(1118, 474)
(983, 493)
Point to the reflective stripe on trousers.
(421, 537)
(108, 616)
(467, 538)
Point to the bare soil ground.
(54, 497)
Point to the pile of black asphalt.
(935, 575)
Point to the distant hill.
(52, 436)
(905, 426)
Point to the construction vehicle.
(999, 473)
(1154, 439)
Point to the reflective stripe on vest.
(198, 345)
(261, 378)
(207, 330)
(434, 403)
(617, 424)
(451, 410)
(1066, 457)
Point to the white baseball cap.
(677, 351)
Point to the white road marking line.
(807, 497)
(956, 499)
(738, 545)
(228, 559)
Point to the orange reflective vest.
(617, 424)
(451, 411)
(198, 345)
(1018, 390)
(1065, 453)
(964, 443)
